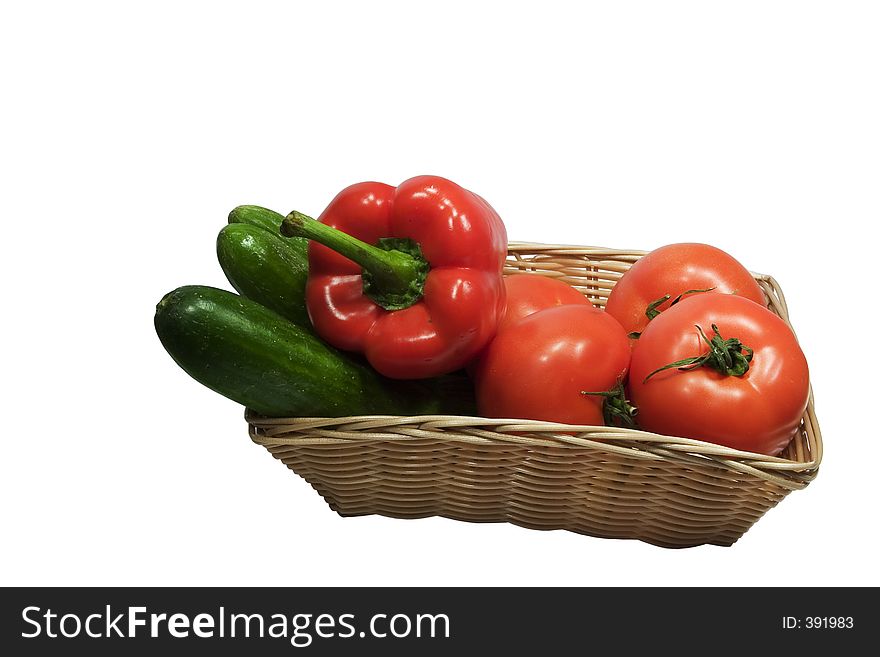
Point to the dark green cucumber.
(257, 358)
(264, 218)
(268, 220)
(266, 268)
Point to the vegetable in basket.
(720, 368)
(408, 276)
(266, 268)
(268, 220)
(527, 294)
(541, 367)
(664, 276)
(256, 357)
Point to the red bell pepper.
(409, 276)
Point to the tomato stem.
(652, 310)
(730, 357)
(617, 411)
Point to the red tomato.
(527, 294)
(673, 270)
(539, 367)
(759, 411)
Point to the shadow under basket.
(598, 481)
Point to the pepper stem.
(394, 272)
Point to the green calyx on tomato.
(676, 270)
(617, 411)
(653, 308)
(651, 311)
(730, 357)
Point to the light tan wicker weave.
(601, 481)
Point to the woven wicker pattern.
(599, 481)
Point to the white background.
(129, 132)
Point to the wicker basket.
(601, 481)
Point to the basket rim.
(515, 248)
(475, 430)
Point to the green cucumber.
(257, 358)
(266, 268)
(268, 220)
